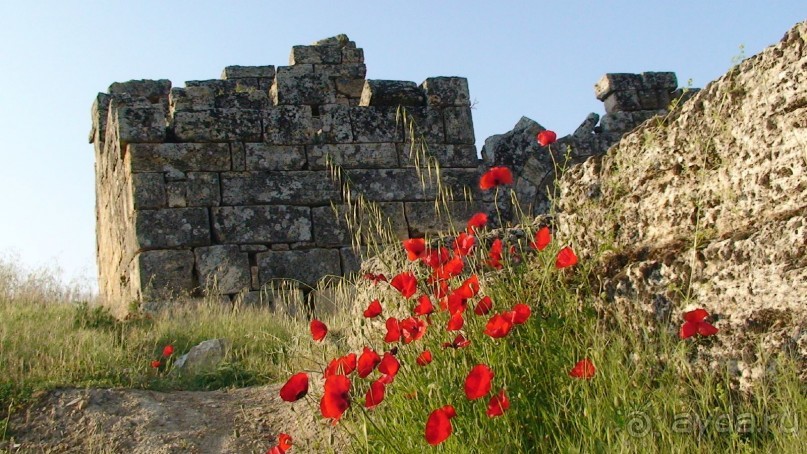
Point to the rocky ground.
(136, 421)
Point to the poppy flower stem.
(496, 204)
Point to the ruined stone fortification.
(708, 208)
(228, 182)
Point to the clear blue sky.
(533, 58)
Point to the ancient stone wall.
(231, 182)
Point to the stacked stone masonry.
(226, 183)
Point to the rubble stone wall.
(227, 182)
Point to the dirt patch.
(243, 420)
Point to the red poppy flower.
(477, 221)
(367, 362)
(168, 351)
(542, 239)
(318, 330)
(375, 278)
(436, 257)
(336, 398)
(455, 322)
(566, 258)
(546, 137)
(450, 269)
(495, 177)
(424, 306)
(389, 365)
(406, 283)
(156, 364)
(283, 444)
(415, 248)
(424, 358)
(477, 383)
(463, 244)
(295, 388)
(375, 394)
(495, 254)
(343, 365)
(694, 322)
(440, 289)
(498, 404)
(469, 287)
(438, 426)
(483, 306)
(498, 326)
(459, 342)
(456, 303)
(583, 369)
(373, 310)
(393, 330)
(412, 329)
(521, 312)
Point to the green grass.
(47, 342)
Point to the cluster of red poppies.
(443, 264)
(168, 350)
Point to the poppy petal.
(477, 383)
(566, 258)
(318, 330)
(498, 404)
(295, 388)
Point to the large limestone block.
(222, 268)
(288, 125)
(375, 124)
(330, 226)
(264, 156)
(306, 266)
(412, 154)
(179, 157)
(261, 224)
(300, 85)
(198, 189)
(217, 125)
(447, 91)
(139, 124)
(148, 190)
(155, 91)
(614, 82)
(291, 188)
(315, 54)
(408, 185)
(243, 72)
(172, 227)
(335, 124)
(391, 93)
(424, 123)
(459, 125)
(349, 156)
(162, 272)
(189, 99)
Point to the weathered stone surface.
(263, 156)
(615, 82)
(202, 358)
(391, 93)
(238, 156)
(711, 205)
(375, 124)
(306, 266)
(340, 40)
(282, 300)
(623, 101)
(407, 185)
(446, 155)
(99, 114)
(217, 125)
(653, 99)
(300, 85)
(293, 187)
(172, 227)
(183, 157)
(349, 156)
(663, 81)
(222, 268)
(288, 125)
(423, 219)
(191, 99)
(351, 88)
(198, 189)
(138, 124)
(164, 272)
(148, 190)
(325, 301)
(330, 227)
(155, 91)
(352, 55)
(512, 148)
(351, 71)
(241, 72)
(315, 54)
(351, 262)
(423, 123)
(261, 224)
(446, 91)
(335, 124)
(617, 122)
(459, 125)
